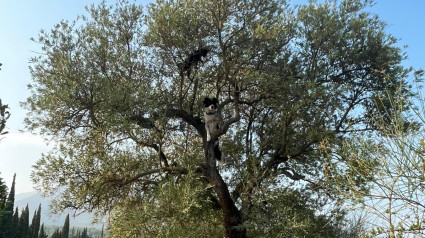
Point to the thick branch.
(148, 123)
(126, 181)
(142, 121)
(231, 214)
(196, 122)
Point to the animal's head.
(210, 105)
(203, 52)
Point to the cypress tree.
(65, 228)
(35, 224)
(31, 228)
(3, 194)
(11, 199)
(72, 234)
(24, 223)
(42, 234)
(7, 213)
(84, 234)
(15, 223)
(56, 234)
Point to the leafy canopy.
(293, 84)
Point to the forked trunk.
(231, 215)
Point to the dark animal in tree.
(193, 59)
(212, 123)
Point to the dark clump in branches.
(192, 60)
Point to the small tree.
(4, 115)
(35, 224)
(84, 234)
(7, 228)
(15, 223)
(56, 234)
(65, 228)
(395, 163)
(42, 234)
(24, 220)
(3, 195)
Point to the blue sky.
(406, 21)
(19, 21)
(22, 19)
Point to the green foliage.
(65, 228)
(289, 214)
(42, 234)
(56, 234)
(3, 194)
(23, 225)
(35, 224)
(4, 115)
(13, 225)
(75, 232)
(178, 208)
(395, 198)
(84, 233)
(7, 227)
(295, 85)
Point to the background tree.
(84, 234)
(56, 234)
(4, 115)
(24, 222)
(65, 228)
(35, 224)
(42, 234)
(3, 194)
(15, 223)
(294, 84)
(6, 225)
(394, 204)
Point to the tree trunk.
(231, 215)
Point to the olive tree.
(115, 91)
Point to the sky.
(22, 19)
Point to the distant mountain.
(33, 199)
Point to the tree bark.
(231, 215)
